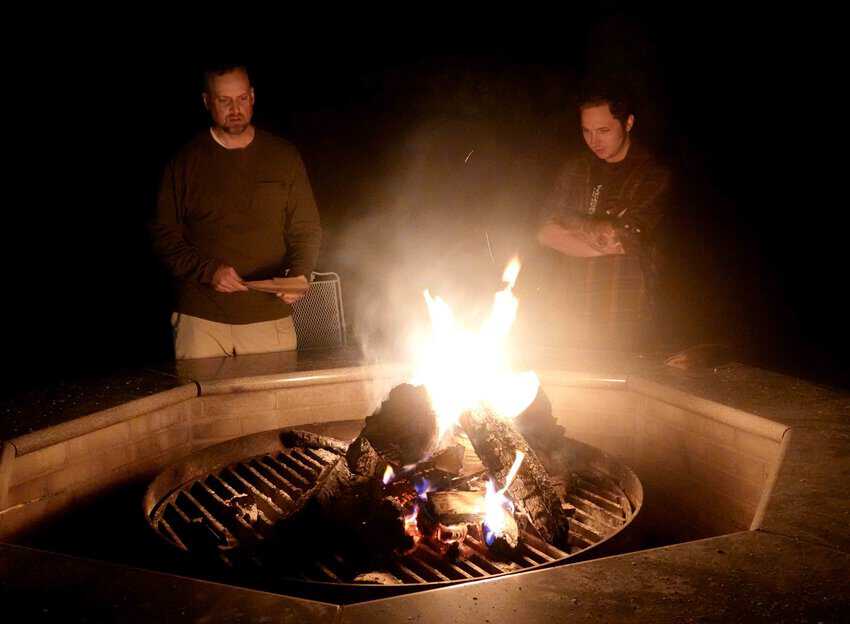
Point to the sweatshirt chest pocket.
(268, 205)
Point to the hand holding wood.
(227, 280)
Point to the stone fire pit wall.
(706, 469)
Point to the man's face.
(230, 101)
(605, 135)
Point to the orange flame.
(389, 474)
(411, 525)
(467, 370)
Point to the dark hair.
(618, 100)
(211, 71)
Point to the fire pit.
(64, 499)
(255, 444)
(222, 505)
(462, 473)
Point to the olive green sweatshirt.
(250, 208)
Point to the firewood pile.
(399, 487)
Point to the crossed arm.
(580, 237)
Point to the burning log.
(450, 508)
(360, 502)
(368, 502)
(496, 441)
(449, 516)
(367, 499)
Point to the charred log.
(353, 505)
(496, 442)
(362, 459)
(449, 516)
(295, 438)
(543, 434)
(404, 429)
(353, 514)
(537, 424)
(362, 514)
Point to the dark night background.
(384, 119)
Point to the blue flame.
(422, 488)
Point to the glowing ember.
(411, 526)
(465, 370)
(389, 475)
(496, 503)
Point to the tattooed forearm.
(601, 235)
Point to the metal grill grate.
(319, 317)
(229, 512)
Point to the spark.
(489, 248)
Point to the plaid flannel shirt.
(608, 300)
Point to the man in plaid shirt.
(600, 217)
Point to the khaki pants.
(199, 338)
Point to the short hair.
(618, 99)
(211, 71)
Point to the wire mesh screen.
(318, 317)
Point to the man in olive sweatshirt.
(235, 204)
